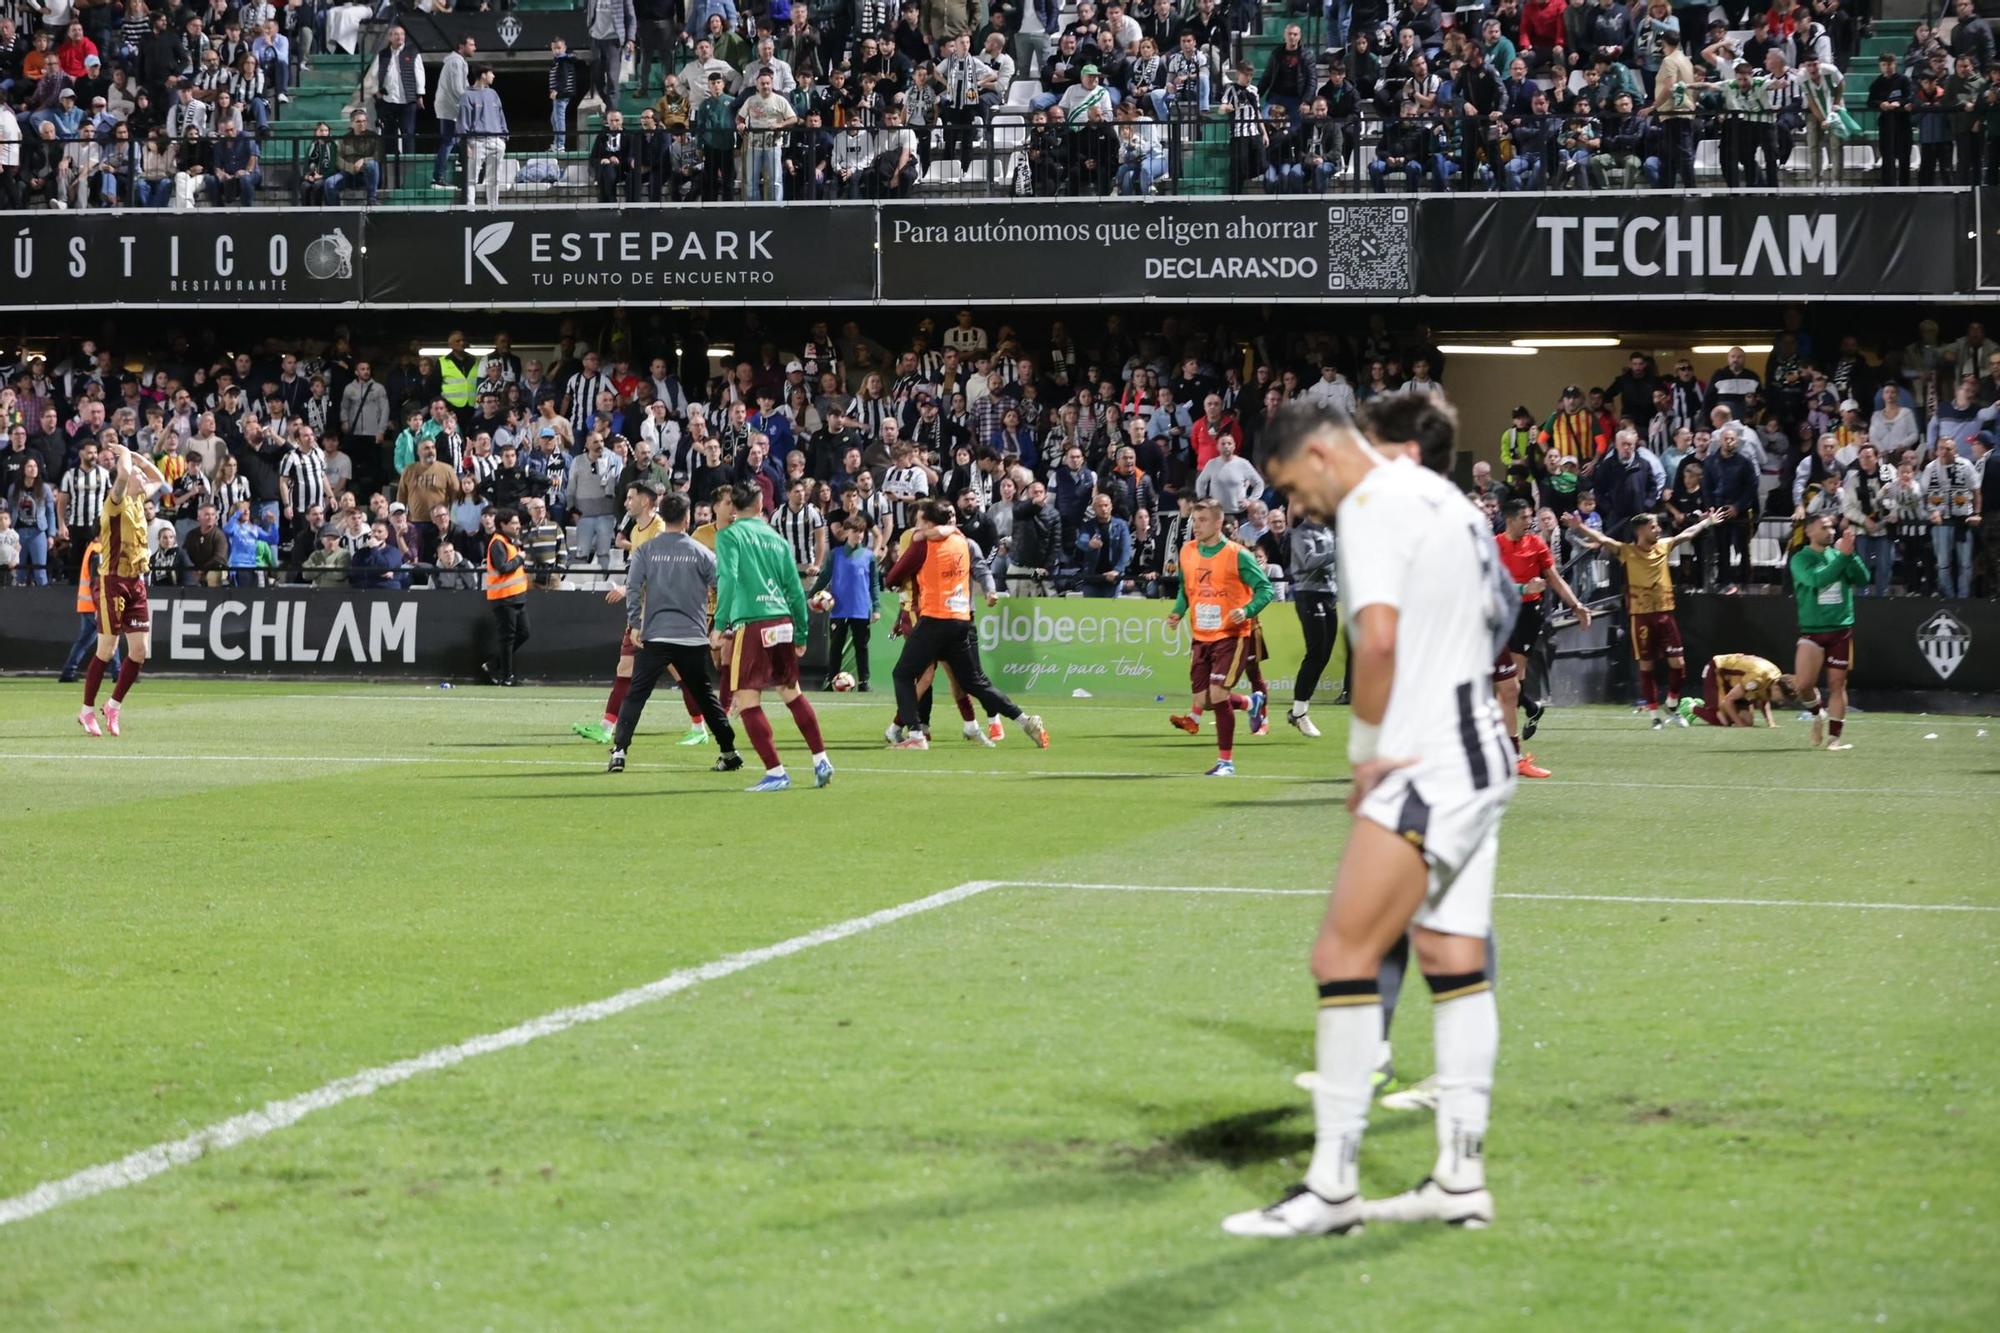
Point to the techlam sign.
(546, 256)
(1742, 244)
(1648, 247)
(231, 258)
(279, 630)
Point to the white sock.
(819, 757)
(1467, 1035)
(1300, 707)
(777, 772)
(1347, 1041)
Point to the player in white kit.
(1433, 772)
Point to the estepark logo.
(483, 242)
(1035, 626)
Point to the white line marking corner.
(137, 1167)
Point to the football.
(843, 682)
(822, 602)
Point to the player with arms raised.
(1433, 773)
(121, 585)
(1825, 573)
(1223, 587)
(1649, 597)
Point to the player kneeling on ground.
(1733, 687)
(1433, 772)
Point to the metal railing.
(1011, 152)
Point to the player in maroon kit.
(1533, 568)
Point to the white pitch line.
(160, 1158)
(1643, 900)
(584, 766)
(137, 1167)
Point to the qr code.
(1368, 248)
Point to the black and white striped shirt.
(868, 413)
(481, 467)
(800, 527)
(582, 391)
(215, 79)
(84, 491)
(872, 507)
(306, 470)
(1246, 111)
(911, 479)
(244, 88)
(227, 493)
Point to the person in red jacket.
(75, 49)
(1209, 431)
(1542, 33)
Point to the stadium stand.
(282, 456)
(1035, 101)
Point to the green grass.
(1029, 1107)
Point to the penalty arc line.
(138, 1167)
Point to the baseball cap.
(1524, 412)
(398, 507)
(1088, 69)
(1849, 405)
(92, 60)
(1568, 462)
(548, 432)
(70, 93)
(1571, 391)
(794, 367)
(98, 101)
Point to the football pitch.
(384, 1007)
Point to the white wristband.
(1362, 740)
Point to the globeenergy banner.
(1114, 648)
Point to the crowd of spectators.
(1073, 460)
(1894, 442)
(171, 105)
